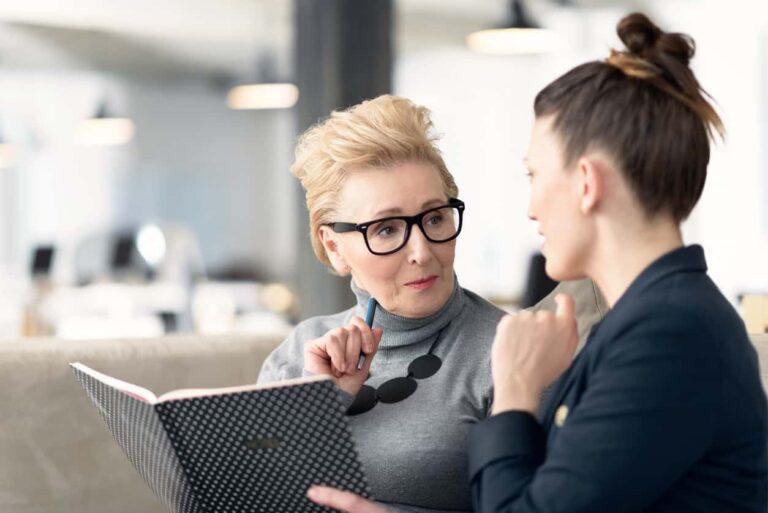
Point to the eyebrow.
(397, 210)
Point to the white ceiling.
(143, 37)
(178, 38)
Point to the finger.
(343, 501)
(565, 307)
(335, 347)
(521, 315)
(352, 349)
(366, 333)
(377, 333)
(506, 322)
(315, 352)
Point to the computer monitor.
(42, 261)
(122, 252)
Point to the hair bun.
(646, 40)
(638, 33)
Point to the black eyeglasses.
(389, 234)
(398, 389)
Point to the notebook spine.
(136, 427)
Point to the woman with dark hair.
(663, 409)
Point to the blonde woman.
(384, 209)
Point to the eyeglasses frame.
(340, 227)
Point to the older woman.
(384, 209)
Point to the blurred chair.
(537, 284)
(754, 310)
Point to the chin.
(555, 270)
(560, 271)
(426, 306)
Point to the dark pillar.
(343, 55)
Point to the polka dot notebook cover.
(245, 449)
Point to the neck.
(401, 331)
(626, 251)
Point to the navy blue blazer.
(662, 411)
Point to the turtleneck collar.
(403, 331)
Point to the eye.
(435, 219)
(386, 229)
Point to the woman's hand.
(337, 352)
(343, 501)
(529, 352)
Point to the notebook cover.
(259, 452)
(139, 432)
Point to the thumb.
(377, 334)
(565, 307)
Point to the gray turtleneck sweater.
(414, 452)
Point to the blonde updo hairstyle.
(378, 133)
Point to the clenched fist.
(530, 352)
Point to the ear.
(591, 183)
(328, 239)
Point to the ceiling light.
(519, 34)
(263, 96)
(265, 91)
(104, 129)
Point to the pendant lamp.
(265, 91)
(518, 35)
(104, 129)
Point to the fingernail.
(312, 493)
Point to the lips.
(422, 283)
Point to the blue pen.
(369, 321)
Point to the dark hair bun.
(644, 39)
(638, 33)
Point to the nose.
(531, 212)
(418, 248)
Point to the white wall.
(57, 192)
(223, 172)
(731, 62)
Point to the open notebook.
(239, 449)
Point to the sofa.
(56, 454)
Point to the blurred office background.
(137, 198)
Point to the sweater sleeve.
(644, 419)
(287, 360)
